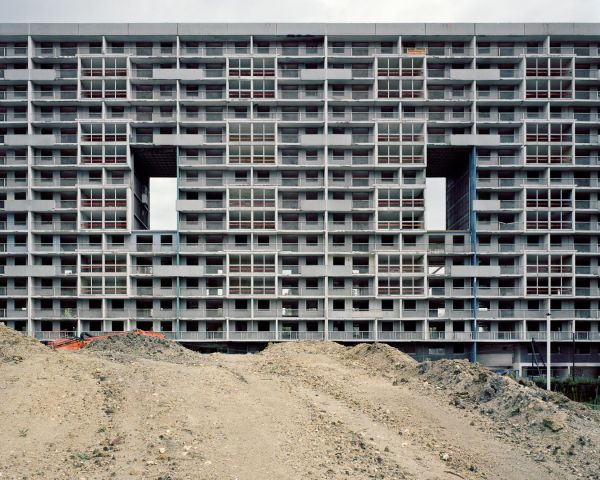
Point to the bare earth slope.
(139, 409)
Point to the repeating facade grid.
(301, 154)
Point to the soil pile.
(379, 357)
(131, 406)
(547, 423)
(308, 347)
(124, 348)
(16, 347)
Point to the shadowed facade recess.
(301, 153)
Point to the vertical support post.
(177, 256)
(573, 358)
(548, 333)
(473, 232)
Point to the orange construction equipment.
(85, 339)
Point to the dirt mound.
(310, 347)
(476, 385)
(16, 347)
(378, 356)
(548, 423)
(123, 348)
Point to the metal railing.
(353, 335)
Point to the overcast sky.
(299, 10)
(162, 196)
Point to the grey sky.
(163, 194)
(299, 11)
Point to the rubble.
(520, 411)
(132, 346)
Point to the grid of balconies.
(301, 170)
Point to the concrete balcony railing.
(178, 73)
(335, 335)
(355, 336)
(396, 335)
(153, 95)
(252, 335)
(55, 226)
(201, 336)
(55, 292)
(13, 95)
(63, 313)
(201, 95)
(298, 335)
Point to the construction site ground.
(135, 407)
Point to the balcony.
(396, 290)
(178, 73)
(201, 95)
(55, 292)
(356, 225)
(253, 335)
(448, 95)
(9, 51)
(400, 336)
(293, 51)
(508, 51)
(298, 335)
(356, 336)
(13, 95)
(107, 94)
(350, 95)
(284, 94)
(154, 94)
(55, 225)
(498, 95)
(53, 94)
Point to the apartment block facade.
(301, 153)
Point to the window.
(339, 261)
(458, 304)
(263, 304)
(117, 304)
(312, 304)
(241, 304)
(95, 304)
(410, 304)
(312, 240)
(166, 304)
(339, 304)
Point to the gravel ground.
(147, 408)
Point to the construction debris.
(548, 423)
(124, 348)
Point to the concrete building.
(301, 153)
